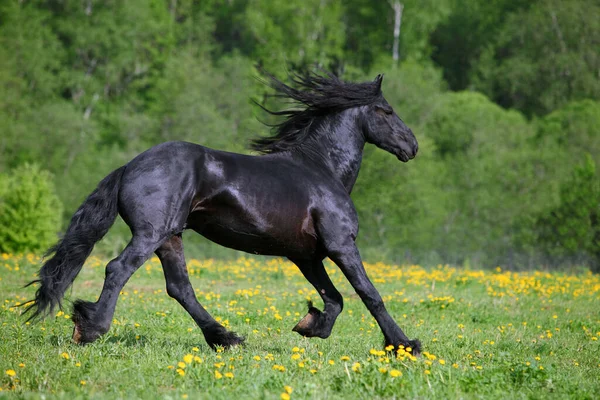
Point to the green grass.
(488, 334)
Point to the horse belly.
(282, 238)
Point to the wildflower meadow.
(485, 334)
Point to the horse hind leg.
(317, 323)
(180, 288)
(92, 320)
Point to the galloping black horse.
(292, 201)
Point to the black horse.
(293, 201)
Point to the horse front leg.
(347, 258)
(317, 323)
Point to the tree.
(543, 57)
(572, 228)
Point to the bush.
(30, 210)
(573, 227)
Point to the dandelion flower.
(10, 372)
(218, 375)
(229, 375)
(180, 371)
(395, 373)
(65, 355)
(285, 396)
(288, 389)
(181, 364)
(188, 358)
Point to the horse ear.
(378, 80)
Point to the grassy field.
(486, 334)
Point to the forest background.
(503, 96)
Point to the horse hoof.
(76, 334)
(304, 326)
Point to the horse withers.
(293, 201)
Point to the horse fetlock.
(220, 336)
(86, 329)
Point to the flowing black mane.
(320, 95)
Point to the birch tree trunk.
(398, 8)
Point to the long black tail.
(89, 224)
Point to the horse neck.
(338, 147)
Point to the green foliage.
(543, 57)
(88, 85)
(573, 227)
(573, 129)
(30, 211)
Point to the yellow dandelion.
(356, 366)
(288, 389)
(21, 365)
(295, 350)
(180, 371)
(383, 370)
(181, 364)
(395, 373)
(257, 358)
(427, 372)
(229, 375)
(10, 372)
(188, 358)
(331, 362)
(345, 358)
(65, 355)
(195, 349)
(218, 375)
(82, 382)
(443, 362)
(285, 396)
(295, 356)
